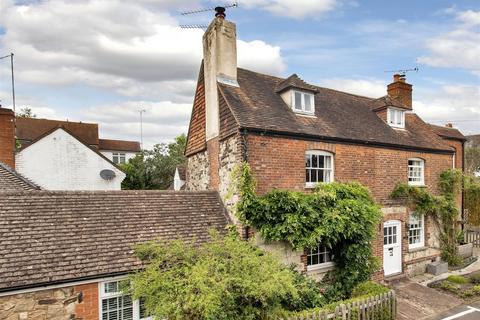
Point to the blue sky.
(103, 61)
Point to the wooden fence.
(472, 235)
(381, 307)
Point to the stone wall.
(198, 172)
(229, 157)
(53, 304)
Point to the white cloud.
(134, 49)
(294, 9)
(458, 48)
(364, 87)
(162, 121)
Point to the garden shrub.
(341, 216)
(226, 278)
(457, 279)
(368, 288)
(450, 286)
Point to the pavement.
(416, 301)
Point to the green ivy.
(442, 209)
(341, 216)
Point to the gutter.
(345, 140)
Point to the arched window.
(416, 172)
(318, 167)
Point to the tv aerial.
(219, 13)
(403, 72)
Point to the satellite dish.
(107, 174)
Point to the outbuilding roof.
(119, 145)
(49, 237)
(11, 180)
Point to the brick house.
(63, 253)
(295, 135)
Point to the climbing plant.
(340, 216)
(442, 209)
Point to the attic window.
(303, 102)
(396, 118)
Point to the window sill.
(420, 185)
(319, 267)
(305, 114)
(310, 185)
(417, 249)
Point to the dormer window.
(396, 118)
(303, 102)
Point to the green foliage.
(449, 286)
(442, 209)
(26, 112)
(472, 199)
(474, 291)
(457, 279)
(155, 169)
(226, 278)
(342, 217)
(472, 160)
(369, 288)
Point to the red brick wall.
(7, 137)
(279, 163)
(88, 308)
(213, 149)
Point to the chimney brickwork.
(7, 137)
(401, 90)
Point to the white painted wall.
(177, 182)
(109, 154)
(59, 161)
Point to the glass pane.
(308, 104)
(307, 175)
(313, 175)
(321, 161)
(321, 176)
(328, 162)
(314, 161)
(307, 160)
(298, 101)
(315, 259)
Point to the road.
(464, 312)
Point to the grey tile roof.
(256, 105)
(11, 180)
(51, 237)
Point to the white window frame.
(421, 182)
(322, 250)
(302, 110)
(392, 117)
(416, 220)
(119, 156)
(332, 169)
(102, 295)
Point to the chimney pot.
(220, 12)
(449, 125)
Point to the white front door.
(392, 247)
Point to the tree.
(154, 169)
(26, 112)
(226, 278)
(472, 160)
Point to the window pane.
(315, 161)
(328, 162)
(308, 103)
(298, 101)
(321, 161)
(307, 160)
(313, 175)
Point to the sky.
(105, 60)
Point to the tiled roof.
(31, 129)
(338, 116)
(51, 237)
(448, 132)
(119, 145)
(294, 82)
(182, 171)
(387, 101)
(11, 180)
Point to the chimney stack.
(220, 65)
(7, 137)
(400, 90)
(449, 125)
